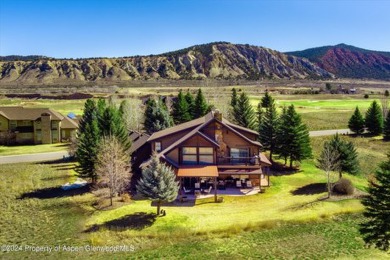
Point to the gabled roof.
(138, 141)
(22, 113)
(68, 123)
(238, 127)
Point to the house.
(211, 150)
(22, 125)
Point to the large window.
(197, 155)
(157, 147)
(189, 155)
(239, 155)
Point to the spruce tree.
(180, 111)
(90, 111)
(156, 116)
(158, 183)
(376, 228)
(356, 122)
(386, 128)
(294, 137)
(233, 101)
(267, 100)
(112, 124)
(374, 119)
(191, 103)
(348, 156)
(87, 149)
(200, 105)
(282, 139)
(243, 112)
(268, 129)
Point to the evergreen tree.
(243, 112)
(282, 140)
(356, 122)
(348, 156)
(294, 137)
(88, 114)
(386, 128)
(112, 123)
(376, 228)
(260, 115)
(87, 149)
(267, 100)
(374, 119)
(268, 129)
(233, 101)
(101, 107)
(180, 111)
(191, 103)
(158, 183)
(156, 116)
(200, 106)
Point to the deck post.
(215, 189)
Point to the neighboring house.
(211, 149)
(20, 125)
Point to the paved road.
(329, 132)
(59, 155)
(33, 157)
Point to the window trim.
(197, 154)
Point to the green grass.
(29, 149)
(274, 224)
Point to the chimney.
(217, 115)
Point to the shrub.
(343, 186)
(126, 197)
(366, 96)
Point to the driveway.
(329, 132)
(36, 157)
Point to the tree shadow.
(55, 192)
(136, 221)
(310, 189)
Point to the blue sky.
(114, 28)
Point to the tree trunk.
(270, 155)
(158, 207)
(291, 163)
(329, 188)
(340, 175)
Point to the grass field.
(278, 224)
(28, 149)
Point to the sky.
(116, 28)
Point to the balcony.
(252, 162)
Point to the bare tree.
(329, 162)
(131, 113)
(385, 103)
(113, 166)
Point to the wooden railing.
(238, 161)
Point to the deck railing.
(238, 161)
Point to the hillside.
(214, 60)
(347, 61)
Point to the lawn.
(29, 149)
(276, 224)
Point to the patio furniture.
(238, 184)
(248, 184)
(187, 191)
(208, 191)
(197, 186)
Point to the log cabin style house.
(211, 151)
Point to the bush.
(343, 186)
(366, 96)
(126, 197)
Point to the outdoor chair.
(238, 184)
(208, 191)
(249, 184)
(187, 191)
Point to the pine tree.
(282, 139)
(268, 129)
(90, 111)
(356, 122)
(111, 123)
(386, 128)
(200, 106)
(87, 149)
(376, 228)
(243, 112)
(260, 115)
(267, 100)
(158, 183)
(348, 156)
(180, 111)
(156, 116)
(294, 137)
(233, 101)
(191, 103)
(374, 119)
